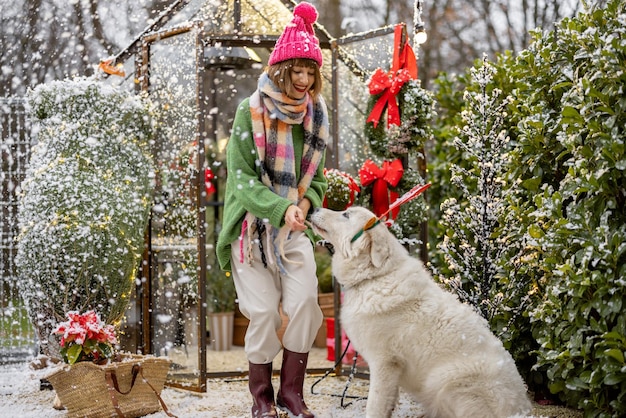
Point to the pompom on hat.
(298, 40)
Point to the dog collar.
(408, 196)
(368, 225)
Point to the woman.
(275, 162)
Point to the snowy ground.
(21, 397)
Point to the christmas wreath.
(409, 110)
(416, 112)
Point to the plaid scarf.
(273, 115)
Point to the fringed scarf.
(273, 115)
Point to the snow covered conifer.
(476, 244)
(85, 202)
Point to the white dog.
(412, 333)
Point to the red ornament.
(208, 181)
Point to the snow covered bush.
(342, 189)
(476, 244)
(85, 203)
(567, 194)
(572, 163)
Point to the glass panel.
(17, 339)
(370, 54)
(225, 89)
(267, 17)
(174, 236)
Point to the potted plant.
(97, 381)
(325, 281)
(342, 192)
(221, 296)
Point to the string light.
(420, 35)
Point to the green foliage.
(572, 160)
(221, 292)
(323, 261)
(86, 351)
(567, 125)
(85, 203)
(15, 326)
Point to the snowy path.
(20, 397)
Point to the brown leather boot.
(290, 397)
(260, 384)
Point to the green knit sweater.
(246, 193)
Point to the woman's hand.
(294, 218)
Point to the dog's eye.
(346, 215)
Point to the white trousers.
(260, 290)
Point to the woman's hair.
(279, 74)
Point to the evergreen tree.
(477, 225)
(85, 202)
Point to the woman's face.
(302, 78)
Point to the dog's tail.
(487, 392)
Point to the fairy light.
(420, 35)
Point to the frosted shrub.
(476, 244)
(85, 202)
(573, 167)
(567, 174)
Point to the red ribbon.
(388, 175)
(403, 69)
(208, 181)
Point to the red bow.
(208, 183)
(382, 177)
(403, 69)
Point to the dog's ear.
(345, 248)
(352, 248)
(379, 247)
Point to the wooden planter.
(240, 328)
(327, 303)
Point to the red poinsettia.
(84, 337)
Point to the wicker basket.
(128, 388)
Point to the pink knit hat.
(298, 39)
